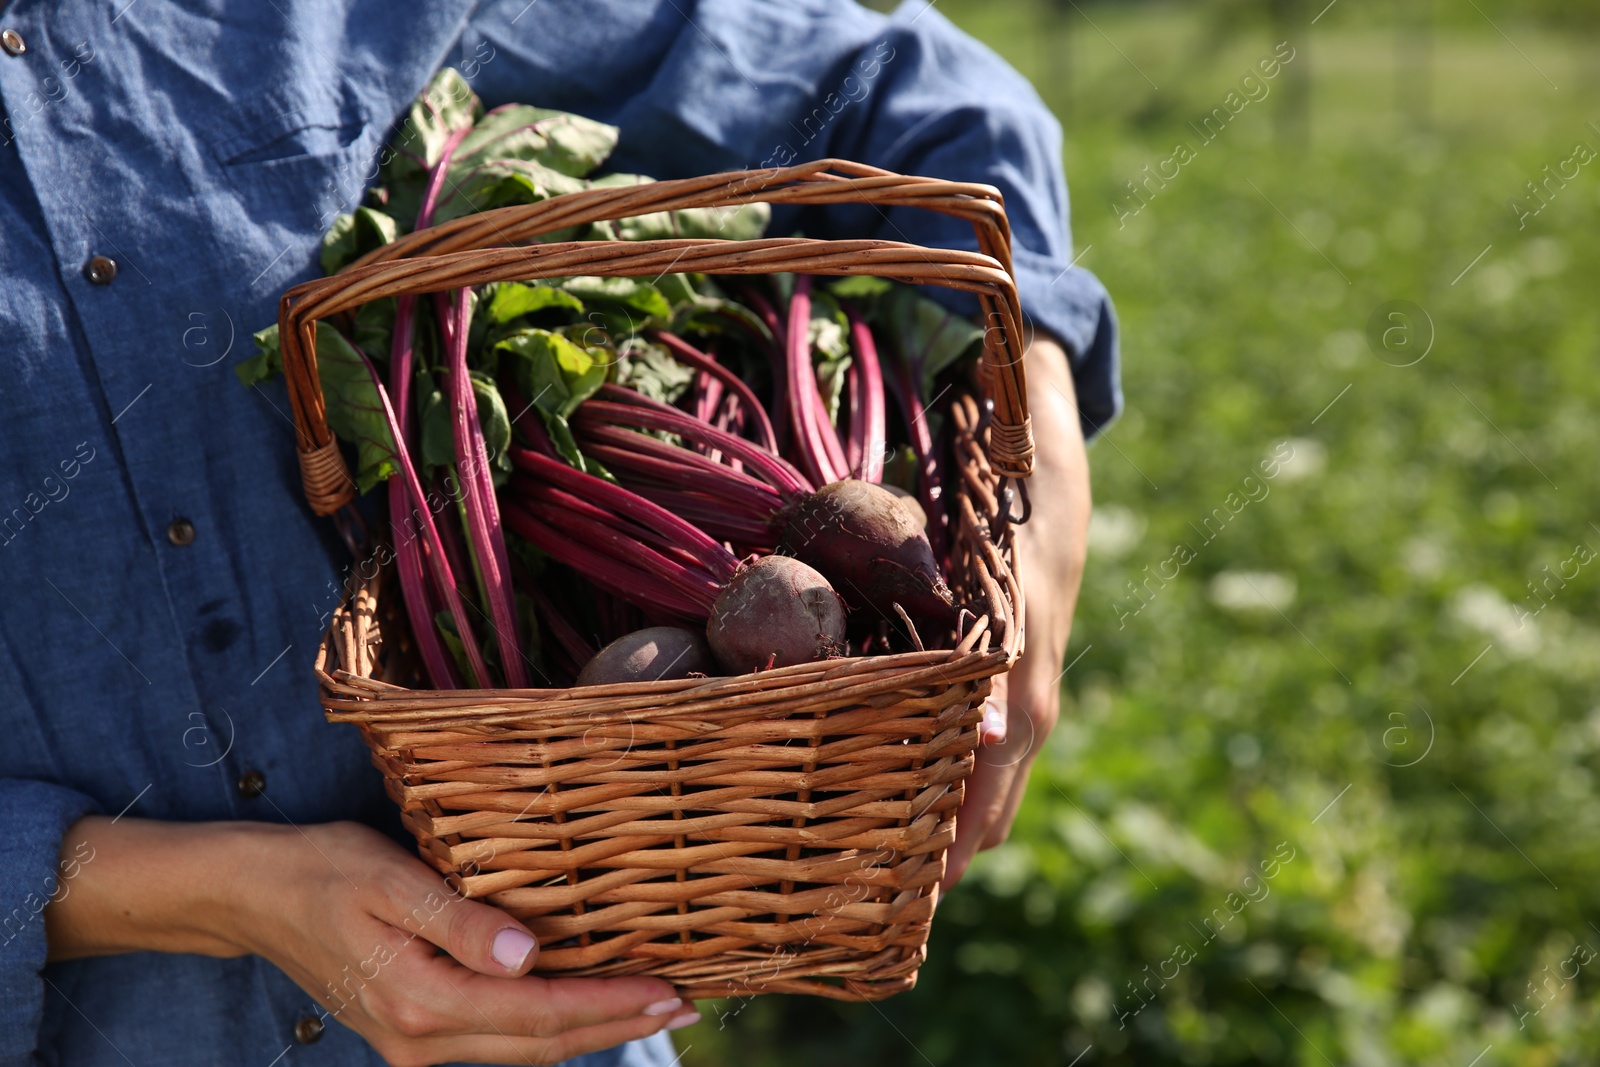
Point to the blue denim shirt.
(164, 584)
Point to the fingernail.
(994, 722)
(662, 1007)
(511, 948)
(688, 1018)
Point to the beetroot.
(776, 611)
(913, 505)
(648, 655)
(871, 546)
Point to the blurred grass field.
(1343, 750)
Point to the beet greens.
(570, 459)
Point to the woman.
(196, 868)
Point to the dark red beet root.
(775, 612)
(869, 544)
(912, 504)
(648, 655)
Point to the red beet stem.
(930, 476)
(479, 510)
(444, 580)
(855, 418)
(816, 439)
(718, 561)
(780, 390)
(601, 568)
(623, 407)
(589, 526)
(870, 412)
(749, 531)
(687, 353)
(674, 466)
(549, 501)
(409, 565)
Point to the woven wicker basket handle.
(493, 246)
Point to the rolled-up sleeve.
(944, 105)
(36, 816)
(698, 86)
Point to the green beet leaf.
(716, 314)
(554, 374)
(926, 334)
(863, 289)
(502, 183)
(354, 235)
(267, 363)
(634, 293)
(437, 430)
(354, 408)
(651, 370)
(446, 105)
(742, 222)
(512, 300)
(570, 145)
(374, 328)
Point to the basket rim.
(987, 273)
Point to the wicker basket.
(775, 832)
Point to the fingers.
(482, 986)
(508, 1048)
(1036, 703)
(540, 1007)
(434, 999)
(1006, 813)
(987, 789)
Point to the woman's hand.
(1051, 546)
(355, 920)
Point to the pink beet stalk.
(408, 554)
(487, 541)
(856, 428)
(623, 407)
(595, 528)
(601, 567)
(780, 390)
(684, 352)
(815, 438)
(629, 506)
(655, 462)
(409, 565)
(444, 580)
(867, 407)
(930, 478)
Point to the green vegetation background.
(1364, 635)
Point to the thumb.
(992, 731)
(487, 940)
(477, 935)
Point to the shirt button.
(251, 785)
(102, 270)
(308, 1029)
(12, 42)
(181, 532)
